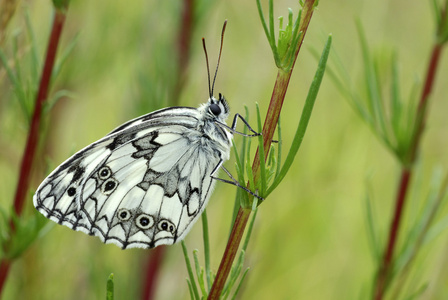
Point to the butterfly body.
(146, 182)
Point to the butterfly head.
(218, 108)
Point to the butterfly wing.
(143, 185)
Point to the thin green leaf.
(415, 240)
(190, 289)
(26, 232)
(8, 69)
(280, 143)
(240, 283)
(292, 53)
(205, 236)
(342, 82)
(58, 95)
(199, 272)
(396, 104)
(411, 120)
(263, 22)
(250, 175)
(305, 117)
(436, 12)
(272, 32)
(234, 274)
(190, 271)
(240, 193)
(418, 293)
(373, 89)
(249, 229)
(262, 155)
(63, 57)
(440, 226)
(371, 229)
(294, 43)
(35, 63)
(18, 83)
(239, 167)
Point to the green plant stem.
(33, 134)
(275, 106)
(406, 173)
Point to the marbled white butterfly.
(147, 182)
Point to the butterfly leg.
(233, 181)
(233, 127)
(248, 126)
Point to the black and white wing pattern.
(147, 182)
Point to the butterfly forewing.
(145, 183)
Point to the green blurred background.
(309, 239)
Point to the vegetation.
(348, 216)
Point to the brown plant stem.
(229, 254)
(270, 124)
(33, 134)
(406, 173)
(186, 27)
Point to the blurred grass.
(309, 239)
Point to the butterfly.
(147, 182)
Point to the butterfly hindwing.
(142, 185)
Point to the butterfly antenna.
(219, 57)
(208, 68)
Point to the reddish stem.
(270, 123)
(185, 33)
(229, 254)
(33, 134)
(152, 272)
(183, 47)
(387, 263)
(4, 271)
(393, 234)
(278, 95)
(275, 106)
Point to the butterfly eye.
(124, 214)
(214, 109)
(144, 221)
(104, 173)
